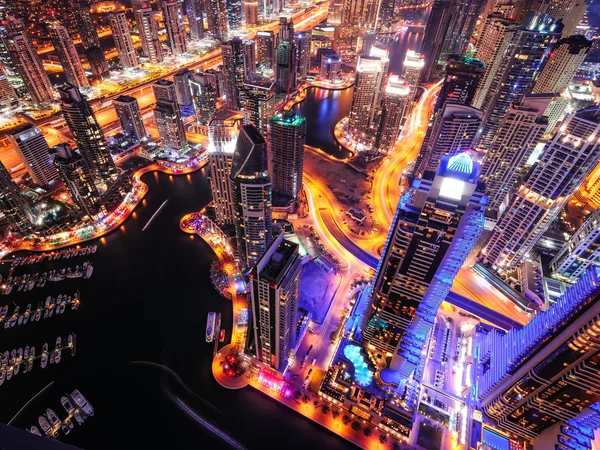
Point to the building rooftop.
(288, 118)
(278, 261)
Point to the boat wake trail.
(156, 213)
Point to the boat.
(9, 373)
(14, 318)
(5, 357)
(67, 404)
(67, 426)
(210, 326)
(44, 425)
(44, 355)
(34, 430)
(78, 417)
(94, 248)
(82, 403)
(88, 271)
(57, 353)
(26, 314)
(8, 289)
(222, 336)
(52, 418)
(2, 376)
(70, 341)
(38, 314)
(3, 312)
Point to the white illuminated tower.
(411, 70)
(148, 30)
(566, 161)
(394, 112)
(13, 205)
(122, 38)
(303, 50)
(258, 102)
(33, 150)
(67, 55)
(173, 17)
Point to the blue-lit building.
(547, 373)
(436, 225)
(234, 14)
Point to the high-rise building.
(88, 134)
(169, 123)
(223, 132)
(258, 102)
(433, 41)
(217, 79)
(250, 55)
(164, 90)
(12, 74)
(216, 15)
(97, 62)
(122, 38)
(274, 298)
(521, 130)
(8, 94)
(147, 30)
(130, 117)
(453, 131)
(569, 12)
(369, 39)
(33, 150)
(285, 76)
(361, 14)
(204, 97)
(234, 14)
(334, 14)
(234, 70)
(183, 93)
(252, 194)
(331, 68)
(78, 181)
(394, 112)
(173, 17)
(286, 157)
(545, 373)
(13, 205)
(411, 70)
(30, 68)
(566, 161)
(462, 25)
(462, 75)
(265, 49)
(435, 226)
(67, 55)
(285, 30)
(195, 15)
(370, 73)
(90, 39)
(250, 12)
(519, 67)
(302, 42)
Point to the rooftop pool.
(362, 374)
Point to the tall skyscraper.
(33, 151)
(8, 94)
(97, 62)
(183, 94)
(258, 102)
(130, 117)
(361, 14)
(435, 226)
(170, 126)
(370, 73)
(569, 12)
(274, 298)
(78, 181)
(565, 162)
(250, 54)
(302, 42)
(433, 41)
(460, 29)
(12, 74)
(223, 132)
(521, 130)
(122, 38)
(265, 49)
(164, 90)
(195, 12)
(331, 68)
(204, 97)
(234, 70)
(394, 112)
(216, 15)
(252, 194)
(173, 17)
(453, 131)
(67, 55)
(285, 76)
(462, 75)
(545, 373)
(411, 70)
(250, 12)
(234, 14)
(334, 14)
(89, 39)
(88, 134)
(286, 163)
(285, 30)
(30, 68)
(147, 30)
(13, 205)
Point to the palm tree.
(355, 426)
(325, 409)
(383, 438)
(346, 419)
(367, 431)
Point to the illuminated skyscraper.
(302, 42)
(565, 163)
(285, 76)
(234, 14)
(88, 134)
(258, 102)
(274, 298)
(361, 14)
(394, 112)
(334, 14)
(433, 41)
(8, 94)
(250, 55)
(436, 225)
(204, 97)
(67, 55)
(265, 49)
(569, 12)
(164, 90)
(216, 15)
(97, 62)
(411, 70)
(234, 70)
(89, 39)
(285, 30)
(33, 150)
(370, 72)
(331, 67)
(462, 75)
(13, 205)
(170, 126)
(195, 11)
(183, 94)
(130, 117)
(122, 38)
(250, 12)
(460, 29)
(147, 30)
(252, 194)
(173, 16)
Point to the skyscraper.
(8, 94)
(274, 298)
(411, 70)
(30, 68)
(122, 38)
(462, 75)
(97, 62)
(394, 112)
(569, 12)
(173, 17)
(285, 30)
(147, 30)
(252, 194)
(204, 97)
(453, 131)
(361, 14)
(566, 161)
(223, 132)
(331, 68)
(520, 132)
(334, 14)
(302, 42)
(195, 11)
(435, 226)
(13, 205)
(250, 55)
(265, 49)
(164, 90)
(250, 12)
(170, 126)
(234, 14)
(183, 94)
(67, 55)
(370, 73)
(258, 102)
(33, 151)
(216, 16)
(285, 76)
(433, 41)
(89, 39)
(130, 117)
(234, 70)
(88, 134)
(288, 136)
(545, 373)
(460, 29)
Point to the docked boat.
(218, 324)
(210, 326)
(44, 356)
(67, 426)
(44, 424)
(9, 373)
(58, 350)
(15, 317)
(70, 341)
(26, 352)
(82, 403)
(78, 417)
(222, 336)
(52, 418)
(34, 430)
(88, 271)
(8, 289)
(64, 400)
(3, 312)
(26, 314)
(2, 376)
